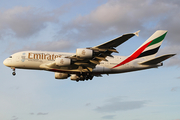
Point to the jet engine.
(84, 53)
(63, 61)
(61, 75)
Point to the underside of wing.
(86, 59)
(106, 49)
(80, 65)
(117, 41)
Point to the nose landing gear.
(13, 73)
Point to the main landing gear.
(84, 76)
(13, 73)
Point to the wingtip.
(137, 33)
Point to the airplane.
(93, 61)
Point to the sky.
(65, 25)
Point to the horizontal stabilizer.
(156, 60)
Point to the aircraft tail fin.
(151, 46)
(156, 60)
(148, 49)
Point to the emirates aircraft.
(94, 61)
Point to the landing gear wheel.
(14, 73)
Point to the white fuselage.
(38, 60)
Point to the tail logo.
(134, 55)
(145, 50)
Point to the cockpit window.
(10, 56)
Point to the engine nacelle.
(74, 77)
(63, 61)
(61, 75)
(84, 53)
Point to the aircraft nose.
(5, 62)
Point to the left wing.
(117, 41)
(86, 59)
(100, 52)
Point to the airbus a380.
(94, 61)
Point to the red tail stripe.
(134, 55)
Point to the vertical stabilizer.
(151, 46)
(148, 49)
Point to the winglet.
(137, 33)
